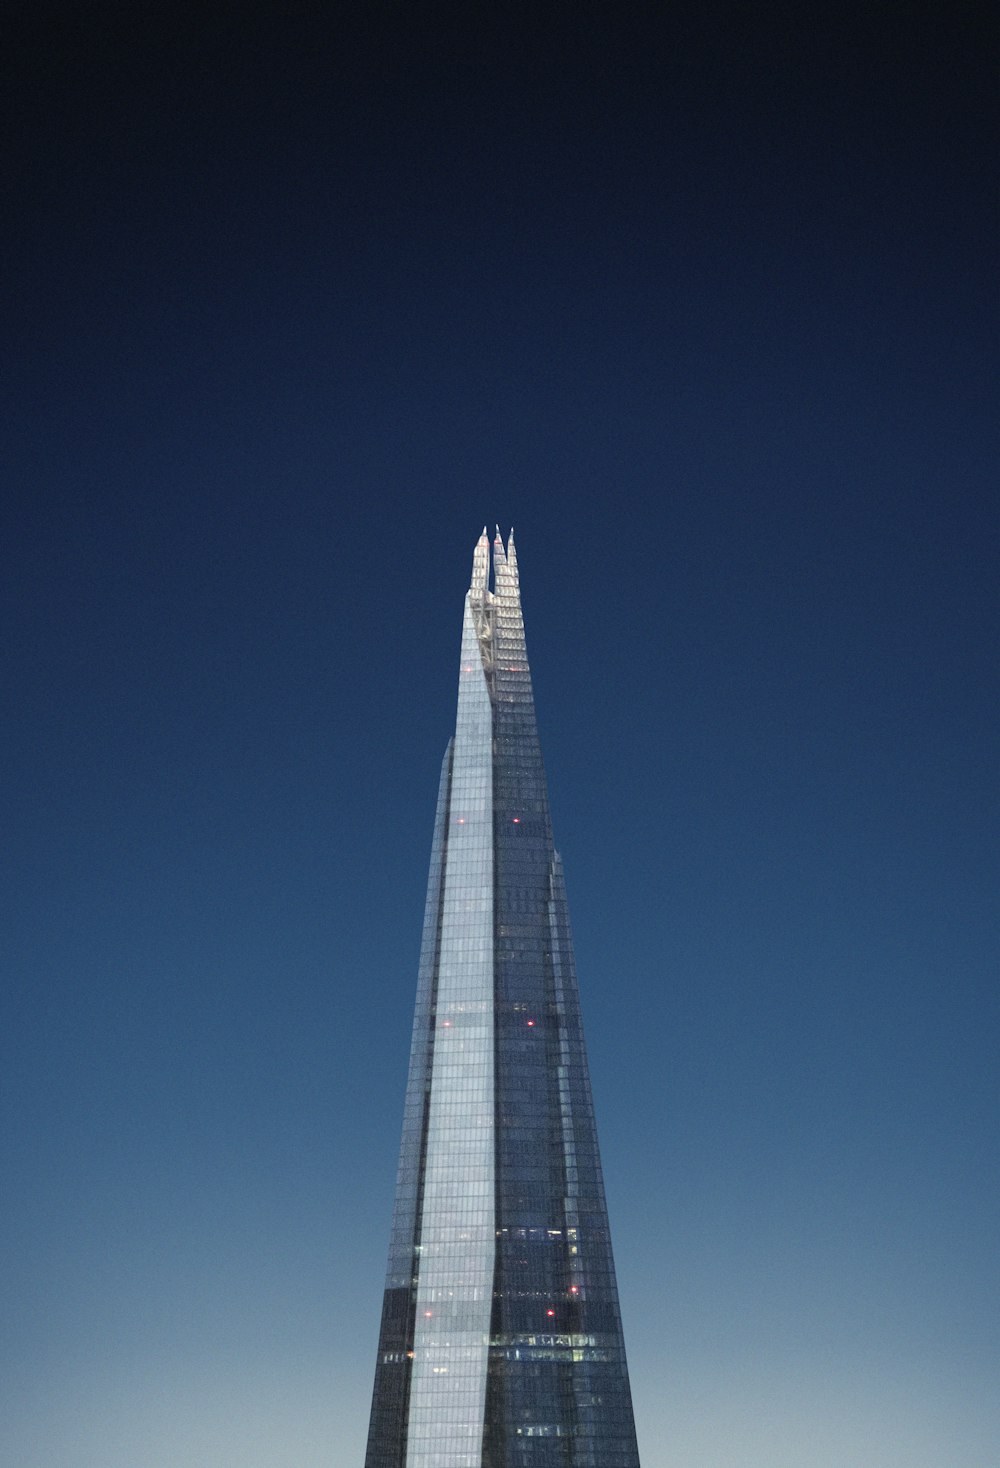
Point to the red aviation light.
(530, 1023)
(550, 1312)
(517, 820)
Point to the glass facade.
(501, 1342)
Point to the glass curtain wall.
(501, 1342)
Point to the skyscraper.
(501, 1342)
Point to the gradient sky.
(703, 304)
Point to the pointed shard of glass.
(501, 1343)
(480, 567)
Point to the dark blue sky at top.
(701, 302)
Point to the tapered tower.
(501, 1342)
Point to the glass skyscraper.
(501, 1342)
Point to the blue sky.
(704, 306)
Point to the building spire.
(506, 586)
(499, 558)
(468, 1353)
(479, 584)
(512, 555)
